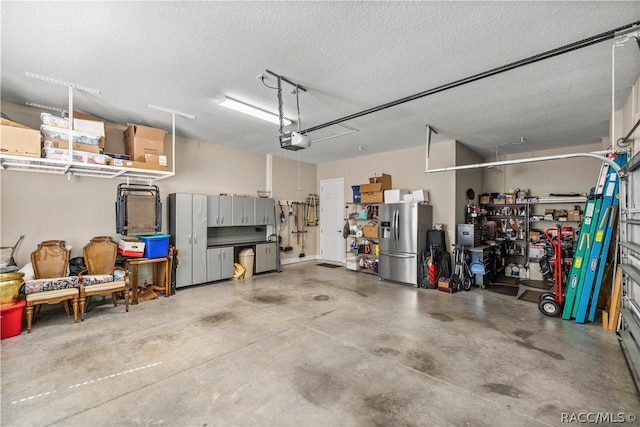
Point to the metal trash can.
(246, 257)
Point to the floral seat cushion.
(96, 279)
(44, 285)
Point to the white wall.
(406, 168)
(541, 178)
(466, 179)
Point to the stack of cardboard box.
(373, 192)
(143, 146)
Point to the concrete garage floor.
(312, 346)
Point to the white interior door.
(332, 245)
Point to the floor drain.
(321, 297)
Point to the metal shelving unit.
(69, 168)
(357, 241)
(509, 238)
(61, 167)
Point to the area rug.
(505, 280)
(539, 284)
(497, 288)
(324, 264)
(531, 296)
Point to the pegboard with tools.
(294, 218)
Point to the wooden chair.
(51, 285)
(98, 279)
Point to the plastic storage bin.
(61, 133)
(131, 247)
(11, 319)
(156, 246)
(246, 259)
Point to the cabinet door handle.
(221, 219)
(189, 238)
(195, 239)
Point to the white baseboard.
(298, 260)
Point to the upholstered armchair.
(51, 285)
(98, 279)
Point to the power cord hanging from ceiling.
(293, 141)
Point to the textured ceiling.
(351, 56)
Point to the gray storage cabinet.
(188, 227)
(219, 264)
(265, 257)
(219, 211)
(243, 210)
(265, 211)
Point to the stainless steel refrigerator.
(403, 238)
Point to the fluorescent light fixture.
(252, 111)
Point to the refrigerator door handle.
(393, 225)
(397, 223)
(398, 255)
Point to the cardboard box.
(371, 193)
(561, 214)
(497, 201)
(61, 143)
(549, 211)
(137, 165)
(131, 247)
(5, 122)
(444, 283)
(156, 159)
(574, 216)
(370, 231)
(534, 235)
(536, 250)
(141, 140)
(385, 180)
(19, 141)
(485, 199)
(510, 198)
